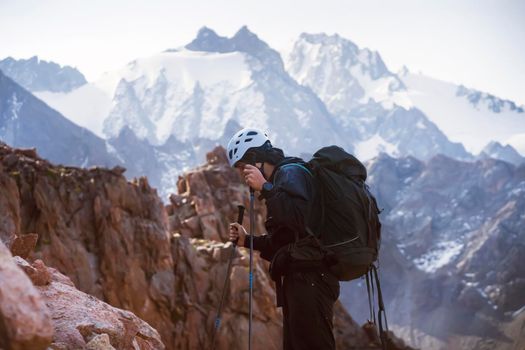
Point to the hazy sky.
(479, 43)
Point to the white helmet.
(242, 141)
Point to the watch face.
(267, 186)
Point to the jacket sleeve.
(288, 205)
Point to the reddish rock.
(212, 193)
(217, 156)
(82, 321)
(79, 320)
(25, 320)
(37, 272)
(23, 245)
(202, 269)
(28, 152)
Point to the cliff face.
(117, 242)
(107, 235)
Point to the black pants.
(309, 299)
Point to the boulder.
(25, 320)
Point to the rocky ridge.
(35, 74)
(26, 121)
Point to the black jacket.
(289, 207)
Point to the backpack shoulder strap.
(298, 165)
(308, 230)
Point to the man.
(305, 289)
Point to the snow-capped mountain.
(27, 122)
(193, 92)
(468, 116)
(367, 100)
(343, 75)
(35, 74)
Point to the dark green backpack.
(347, 223)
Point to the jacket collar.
(286, 160)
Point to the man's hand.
(253, 177)
(237, 233)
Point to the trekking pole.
(232, 255)
(252, 224)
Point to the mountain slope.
(25, 121)
(465, 115)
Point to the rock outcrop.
(25, 320)
(117, 242)
(83, 321)
(43, 310)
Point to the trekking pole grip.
(240, 218)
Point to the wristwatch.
(266, 188)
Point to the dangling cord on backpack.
(372, 317)
(381, 312)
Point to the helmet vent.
(240, 135)
(235, 151)
(248, 140)
(237, 142)
(251, 133)
(231, 154)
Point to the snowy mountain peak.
(35, 74)
(34, 59)
(243, 41)
(325, 39)
(245, 32)
(342, 74)
(208, 40)
(347, 52)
